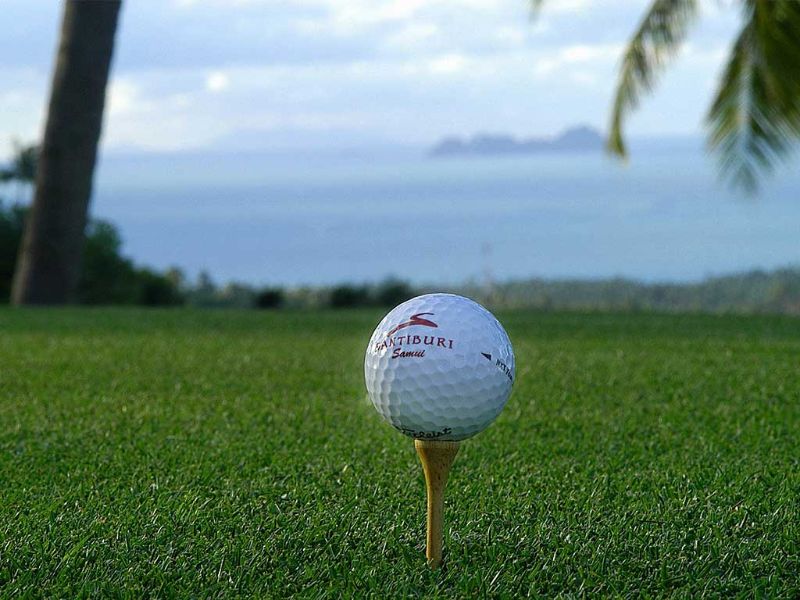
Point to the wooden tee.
(436, 458)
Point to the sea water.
(361, 216)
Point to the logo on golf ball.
(439, 366)
(414, 320)
(396, 342)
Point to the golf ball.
(439, 366)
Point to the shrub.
(392, 292)
(11, 226)
(270, 298)
(156, 289)
(349, 296)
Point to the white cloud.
(217, 81)
(714, 55)
(580, 54)
(508, 35)
(22, 103)
(346, 17)
(447, 64)
(566, 6)
(144, 117)
(585, 78)
(122, 96)
(410, 37)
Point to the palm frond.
(656, 40)
(754, 119)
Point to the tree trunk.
(48, 267)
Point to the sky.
(229, 75)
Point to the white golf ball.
(439, 366)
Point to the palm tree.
(754, 118)
(49, 259)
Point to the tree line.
(756, 291)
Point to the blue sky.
(255, 74)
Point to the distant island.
(574, 139)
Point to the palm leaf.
(755, 117)
(656, 40)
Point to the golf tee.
(437, 458)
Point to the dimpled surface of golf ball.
(439, 366)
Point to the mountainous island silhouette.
(574, 139)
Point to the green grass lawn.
(207, 454)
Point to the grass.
(209, 454)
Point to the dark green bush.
(349, 296)
(12, 221)
(155, 289)
(270, 298)
(392, 292)
(107, 277)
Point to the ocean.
(363, 216)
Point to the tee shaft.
(436, 458)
